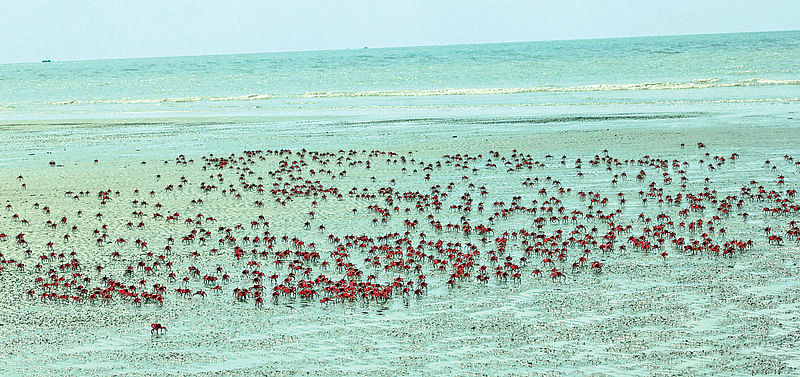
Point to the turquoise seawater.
(649, 74)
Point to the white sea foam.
(703, 83)
(694, 84)
(250, 97)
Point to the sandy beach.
(685, 313)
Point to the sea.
(501, 80)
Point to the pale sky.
(31, 30)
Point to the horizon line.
(52, 60)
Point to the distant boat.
(47, 61)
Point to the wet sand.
(642, 315)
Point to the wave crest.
(249, 97)
(694, 84)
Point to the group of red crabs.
(488, 218)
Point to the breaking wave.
(694, 84)
(250, 97)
